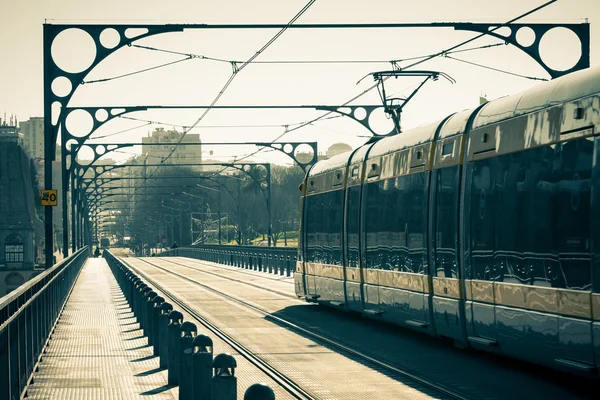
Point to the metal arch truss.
(102, 149)
(361, 114)
(61, 82)
(99, 170)
(582, 31)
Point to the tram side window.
(512, 233)
(396, 223)
(400, 217)
(446, 222)
(373, 228)
(323, 228)
(417, 223)
(573, 217)
(313, 227)
(301, 232)
(481, 217)
(352, 218)
(540, 217)
(530, 216)
(335, 226)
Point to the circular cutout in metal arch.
(73, 50)
(570, 49)
(79, 123)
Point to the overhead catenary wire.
(136, 72)
(122, 131)
(156, 122)
(189, 56)
(446, 52)
(321, 61)
(237, 69)
(534, 78)
(434, 55)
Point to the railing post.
(13, 335)
(188, 332)
(156, 302)
(259, 391)
(22, 338)
(224, 382)
(163, 334)
(5, 364)
(143, 318)
(175, 321)
(202, 360)
(149, 329)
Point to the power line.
(237, 69)
(440, 53)
(136, 72)
(534, 78)
(443, 52)
(123, 131)
(222, 60)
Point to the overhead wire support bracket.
(393, 105)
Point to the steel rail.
(236, 280)
(284, 381)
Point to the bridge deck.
(231, 298)
(97, 350)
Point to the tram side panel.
(299, 274)
(527, 235)
(595, 243)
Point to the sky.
(198, 81)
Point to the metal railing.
(278, 260)
(187, 355)
(28, 316)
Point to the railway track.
(295, 390)
(238, 280)
(289, 385)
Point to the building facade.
(158, 145)
(21, 231)
(33, 136)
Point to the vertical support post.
(219, 216)
(65, 188)
(49, 148)
(73, 212)
(269, 203)
(239, 209)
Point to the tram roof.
(409, 138)
(340, 160)
(569, 87)
(456, 123)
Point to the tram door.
(352, 241)
(482, 271)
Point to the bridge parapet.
(190, 356)
(278, 260)
(28, 316)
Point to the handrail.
(28, 316)
(38, 278)
(278, 260)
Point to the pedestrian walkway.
(97, 350)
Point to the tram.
(483, 227)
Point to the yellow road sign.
(48, 197)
